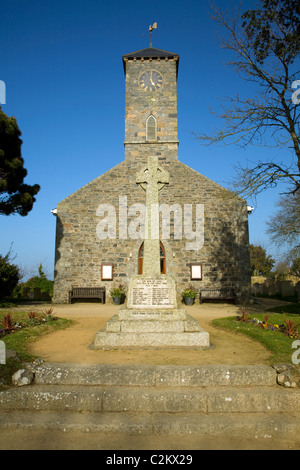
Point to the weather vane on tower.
(151, 28)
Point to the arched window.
(151, 128)
(162, 259)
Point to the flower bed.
(8, 325)
(288, 328)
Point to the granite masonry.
(100, 222)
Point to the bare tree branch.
(265, 43)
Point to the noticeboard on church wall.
(196, 271)
(107, 272)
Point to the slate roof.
(149, 52)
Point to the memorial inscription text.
(152, 293)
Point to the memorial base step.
(151, 340)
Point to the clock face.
(150, 80)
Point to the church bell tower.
(151, 104)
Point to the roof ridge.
(138, 52)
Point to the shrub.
(45, 285)
(290, 328)
(9, 275)
(189, 292)
(117, 291)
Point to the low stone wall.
(35, 294)
(273, 287)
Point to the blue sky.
(61, 62)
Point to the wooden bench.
(217, 294)
(87, 293)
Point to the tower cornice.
(150, 53)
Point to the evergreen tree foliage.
(16, 197)
(261, 263)
(9, 275)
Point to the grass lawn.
(278, 343)
(290, 308)
(34, 325)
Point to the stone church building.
(99, 229)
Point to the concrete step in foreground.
(234, 426)
(138, 399)
(151, 400)
(155, 376)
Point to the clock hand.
(151, 81)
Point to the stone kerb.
(155, 376)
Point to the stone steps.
(138, 399)
(147, 400)
(234, 426)
(154, 376)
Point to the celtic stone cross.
(152, 179)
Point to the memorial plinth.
(152, 318)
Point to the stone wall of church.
(80, 252)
